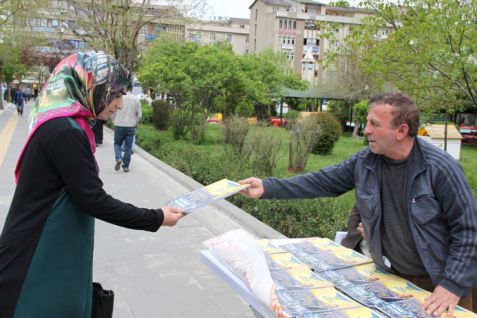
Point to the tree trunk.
(356, 129)
(2, 93)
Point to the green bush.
(148, 138)
(180, 123)
(329, 133)
(235, 131)
(262, 151)
(301, 107)
(292, 115)
(298, 218)
(302, 138)
(146, 113)
(160, 114)
(198, 123)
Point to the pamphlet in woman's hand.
(208, 194)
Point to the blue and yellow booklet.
(206, 195)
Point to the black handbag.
(103, 302)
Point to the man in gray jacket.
(417, 211)
(125, 121)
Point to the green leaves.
(213, 78)
(430, 52)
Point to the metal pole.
(445, 132)
(281, 112)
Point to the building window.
(212, 36)
(280, 24)
(247, 39)
(229, 37)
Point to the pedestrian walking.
(46, 245)
(125, 121)
(19, 100)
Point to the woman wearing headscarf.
(46, 246)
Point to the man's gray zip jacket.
(442, 211)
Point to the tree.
(212, 77)
(429, 54)
(114, 25)
(11, 66)
(360, 113)
(12, 8)
(14, 48)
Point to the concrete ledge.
(253, 225)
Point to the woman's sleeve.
(76, 166)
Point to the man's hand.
(255, 190)
(171, 215)
(440, 301)
(361, 230)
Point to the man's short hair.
(405, 110)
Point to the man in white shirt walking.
(125, 121)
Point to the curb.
(253, 225)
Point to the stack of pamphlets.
(343, 283)
(206, 195)
(323, 254)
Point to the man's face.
(111, 108)
(382, 136)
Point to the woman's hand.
(171, 215)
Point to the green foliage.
(211, 161)
(298, 218)
(235, 131)
(147, 138)
(329, 133)
(340, 110)
(429, 53)
(180, 120)
(292, 116)
(146, 113)
(11, 65)
(160, 114)
(361, 111)
(340, 3)
(262, 151)
(302, 136)
(301, 107)
(213, 78)
(197, 127)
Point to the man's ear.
(402, 131)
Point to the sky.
(229, 8)
(237, 8)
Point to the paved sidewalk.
(152, 274)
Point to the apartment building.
(293, 27)
(160, 20)
(233, 30)
(60, 27)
